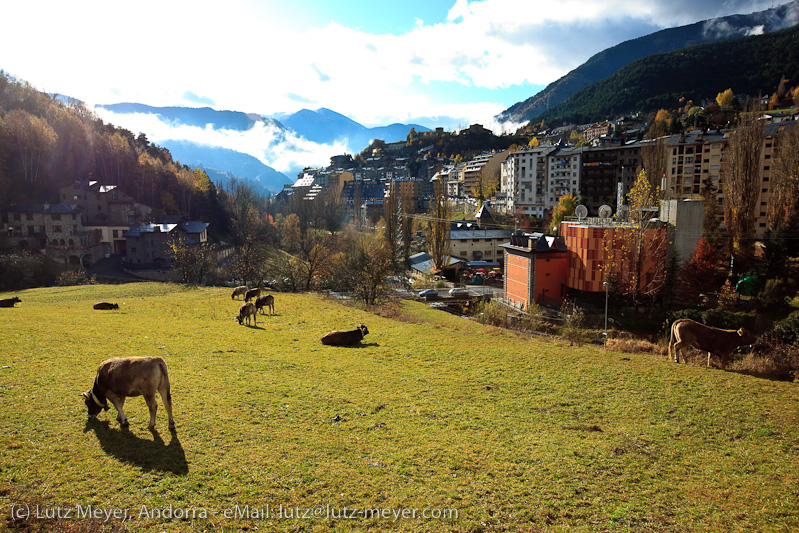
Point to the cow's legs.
(166, 397)
(678, 346)
(119, 404)
(708, 359)
(152, 405)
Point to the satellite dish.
(581, 211)
(605, 211)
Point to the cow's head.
(16, 300)
(746, 337)
(363, 329)
(93, 404)
(240, 319)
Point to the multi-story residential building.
(523, 177)
(603, 169)
(696, 161)
(563, 174)
(54, 229)
(100, 205)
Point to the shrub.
(636, 346)
(771, 357)
(75, 276)
(786, 331)
(23, 270)
(721, 318)
(775, 293)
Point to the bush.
(74, 276)
(775, 293)
(771, 357)
(635, 346)
(23, 270)
(786, 331)
(721, 318)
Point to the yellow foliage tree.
(534, 142)
(724, 99)
(567, 206)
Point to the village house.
(148, 245)
(56, 230)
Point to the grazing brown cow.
(252, 293)
(246, 311)
(105, 306)
(345, 338)
(720, 342)
(121, 377)
(9, 302)
(241, 290)
(265, 301)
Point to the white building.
(524, 180)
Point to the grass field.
(434, 414)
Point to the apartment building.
(523, 177)
(563, 174)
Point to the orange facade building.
(536, 267)
(634, 258)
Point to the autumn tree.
(195, 261)
(724, 99)
(31, 139)
(407, 226)
(364, 268)
(635, 251)
(391, 220)
(700, 273)
(740, 185)
(566, 207)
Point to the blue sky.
(463, 61)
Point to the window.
(28, 216)
(57, 229)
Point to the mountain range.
(322, 127)
(607, 62)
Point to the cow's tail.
(671, 339)
(165, 380)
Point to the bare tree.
(740, 185)
(438, 224)
(784, 206)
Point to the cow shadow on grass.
(149, 455)
(360, 345)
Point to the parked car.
(458, 292)
(428, 293)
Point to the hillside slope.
(609, 61)
(431, 412)
(749, 65)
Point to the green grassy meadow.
(433, 413)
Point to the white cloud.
(281, 150)
(242, 58)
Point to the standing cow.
(720, 342)
(247, 310)
(121, 377)
(241, 290)
(252, 294)
(265, 301)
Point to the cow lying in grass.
(265, 301)
(241, 290)
(720, 342)
(105, 306)
(251, 294)
(345, 338)
(121, 377)
(246, 311)
(9, 302)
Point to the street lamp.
(605, 284)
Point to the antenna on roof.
(605, 211)
(581, 211)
